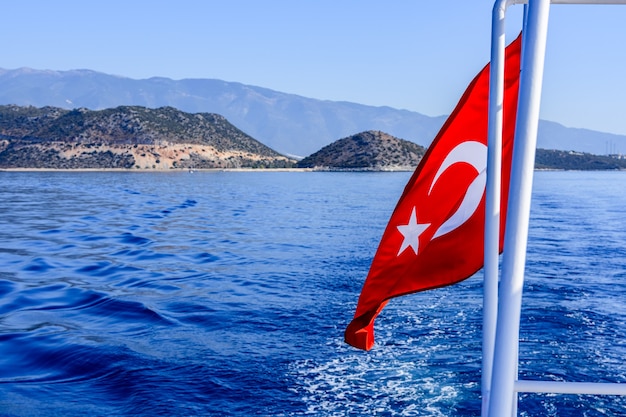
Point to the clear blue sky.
(412, 54)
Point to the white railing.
(502, 310)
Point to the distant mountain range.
(288, 123)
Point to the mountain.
(553, 135)
(288, 123)
(371, 150)
(127, 137)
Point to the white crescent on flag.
(475, 154)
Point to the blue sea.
(227, 294)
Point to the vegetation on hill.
(133, 137)
(370, 150)
(375, 151)
(552, 159)
(127, 137)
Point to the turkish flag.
(435, 236)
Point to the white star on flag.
(411, 233)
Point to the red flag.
(435, 236)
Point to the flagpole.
(493, 197)
(503, 395)
(492, 203)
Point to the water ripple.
(227, 294)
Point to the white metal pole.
(558, 387)
(524, 22)
(503, 396)
(492, 203)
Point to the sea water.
(227, 294)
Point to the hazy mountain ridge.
(288, 123)
(127, 137)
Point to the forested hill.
(579, 161)
(127, 137)
(134, 137)
(378, 151)
(369, 151)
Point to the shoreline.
(179, 170)
(182, 170)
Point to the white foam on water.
(370, 385)
(401, 377)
